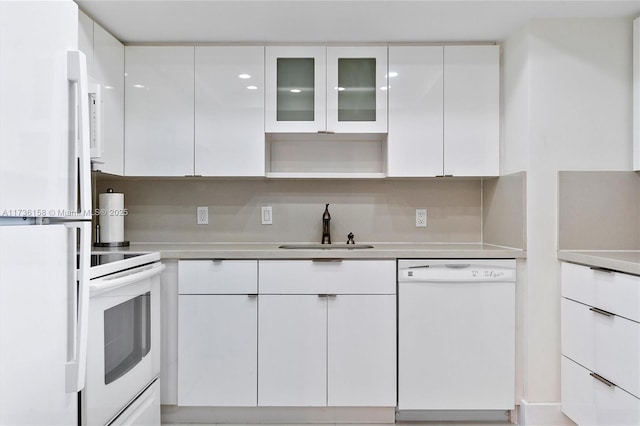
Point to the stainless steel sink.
(312, 246)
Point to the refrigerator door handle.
(78, 314)
(77, 75)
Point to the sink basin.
(325, 246)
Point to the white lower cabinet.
(217, 350)
(292, 357)
(217, 333)
(361, 350)
(311, 334)
(333, 345)
(589, 401)
(600, 346)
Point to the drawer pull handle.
(251, 296)
(327, 295)
(598, 269)
(602, 379)
(602, 312)
(326, 260)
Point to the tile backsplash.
(598, 210)
(164, 210)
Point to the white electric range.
(123, 355)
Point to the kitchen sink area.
(312, 246)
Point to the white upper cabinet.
(318, 89)
(108, 72)
(159, 111)
(295, 95)
(85, 39)
(416, 136)
(471, 110)
(229, 111)
(443, 111)
(357, 89)
(105, 67)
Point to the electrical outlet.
(421, 218)
(202, 215)
(267, 215)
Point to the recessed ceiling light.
(384, 87)
(244, 76)
(138, 86)
(295, 90)
(393, 74)
(252, 87)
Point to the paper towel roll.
(112, 214)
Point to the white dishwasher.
(456, 339)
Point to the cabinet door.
(415, 141)
(602, 342)
(292, 350)
(357, 89)
(589, 401)
(159, 104)
(108, 66)
(229, 122)
(85, 39)
(217, 350)
(295, 89)
(361, 350)
(471, 110)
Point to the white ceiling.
(331, 21)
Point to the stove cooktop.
(98, 259)
(105, 263)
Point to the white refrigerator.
(45, 213)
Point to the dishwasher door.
(456, 336)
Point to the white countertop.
(618, 260)
(271, 251)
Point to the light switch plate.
(267, 215)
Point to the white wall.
(567, 99)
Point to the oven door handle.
(101, 285)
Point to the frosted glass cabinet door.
(295, 89)
(229, 121)
(159, 110)
(415, 141)
(357, 89)
(471, 110)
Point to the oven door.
(124, 342)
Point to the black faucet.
(350, 238)
(326, 226)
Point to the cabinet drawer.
(218, 277)
(611, 291)
(587, 401)
(337, 277)
(607, 345)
